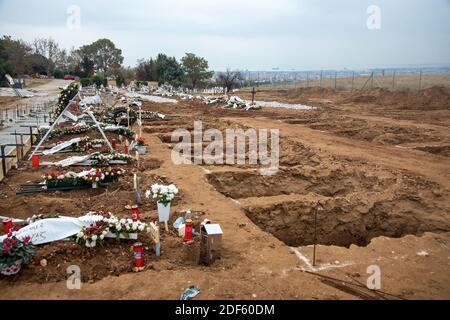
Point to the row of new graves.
(91, 145)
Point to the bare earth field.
(374, 165)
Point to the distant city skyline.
(255, 35)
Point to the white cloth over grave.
(61, 146)
(71, 160)
(91, 100)
(54, 229)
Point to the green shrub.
(86, 82)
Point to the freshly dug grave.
(108, 258)
(438, 150)
(358, 201)
(369, 131)
(347, 221)
(301, 180)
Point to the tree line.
(101, 60)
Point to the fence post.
(3, 155)
(335, 80)
(393, 80)
(420, 79)
(321, 78)
(353, 80)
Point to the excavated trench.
(358, 202)
(355, 206)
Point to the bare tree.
(229, 79)
(49, 49)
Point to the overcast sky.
(247, 34)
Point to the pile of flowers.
(62, 178)
(103, 159)
(163, 194)
(108, 227)
(100, 175)
(123, 227)
(65, 96)
(15, 251)
(126, 132)
(90, 235)
(110, 174)
(140, 141)
(87, 143)
(152, 115)
(76, 129)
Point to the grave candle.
(7, 225)
(35, 161)
(135, 213)
(138, 256)
(126, 146)
(188, 231)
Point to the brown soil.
(374, 170)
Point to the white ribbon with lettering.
(61, 146)
(54, 229)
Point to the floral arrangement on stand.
(65, 96)
(163, 195)
(103, 159)
(13, 253)
(90, 235)
(86, 143)
(141, 147)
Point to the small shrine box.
(210, 243)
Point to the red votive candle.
(7, 225)
(35, 161)
(138, 255)
(188, 231)
(135, 213)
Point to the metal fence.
(18, 131)
(352, 80)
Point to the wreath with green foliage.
(65, 96)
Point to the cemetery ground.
(374, 167)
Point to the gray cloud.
(252, 34)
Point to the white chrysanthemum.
(94, 237)
(148, 193)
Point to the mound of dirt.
(434, 98)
